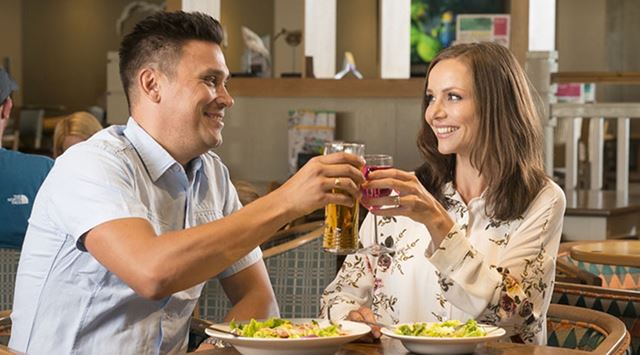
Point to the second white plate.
(434, 345)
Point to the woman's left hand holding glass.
(410, 199)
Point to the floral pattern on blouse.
(498, 272)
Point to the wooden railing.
(596, 114)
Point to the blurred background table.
(611, 252)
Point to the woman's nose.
(434, 111)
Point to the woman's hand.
(364, 314)
(412, 200)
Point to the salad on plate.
(446, 329)
(285, 329)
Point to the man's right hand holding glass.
(312, 186)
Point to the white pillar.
(539, 67)
(395, 51)
(542, 25)
(209, 7)
(320, 36)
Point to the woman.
(476, 228)
(73, 129)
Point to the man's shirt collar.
(155, 158)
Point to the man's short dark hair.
(159, 39)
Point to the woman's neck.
(468, 181)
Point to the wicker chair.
(586, 330)
(623, 304)
(8, 265)
(612, 289)
(299, 271)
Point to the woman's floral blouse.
(498, 272)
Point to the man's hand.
(366, 314)
(313, 186)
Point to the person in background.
(75, 128)
(130, 224)
(476, 228)
(20, 177)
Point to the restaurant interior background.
(58, 54)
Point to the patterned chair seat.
(622, 304)
(586, 330)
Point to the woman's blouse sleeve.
(514, 290)
(352, 287)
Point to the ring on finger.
(336, 182)
(397, 200)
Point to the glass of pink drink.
(377, 162)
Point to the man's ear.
(5, 108)
(149, 81)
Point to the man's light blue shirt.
(65, 301)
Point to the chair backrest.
(587, 330)
(31, 121)
(8, 266)
(213, 304)
(621, 304)
(298, 269)
(11, 137)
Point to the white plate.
(434, 345)
(271, 346)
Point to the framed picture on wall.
(483, 27)
(433, 26)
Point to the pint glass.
(341, 222)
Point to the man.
(20, 177)
(130, 223)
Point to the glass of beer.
(341, 222)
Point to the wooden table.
(388, 346)
(611, 252)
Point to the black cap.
(7, 85)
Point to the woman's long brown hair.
(507, 149)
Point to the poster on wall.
(487, 28)
(309, 130)
(433, 26)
